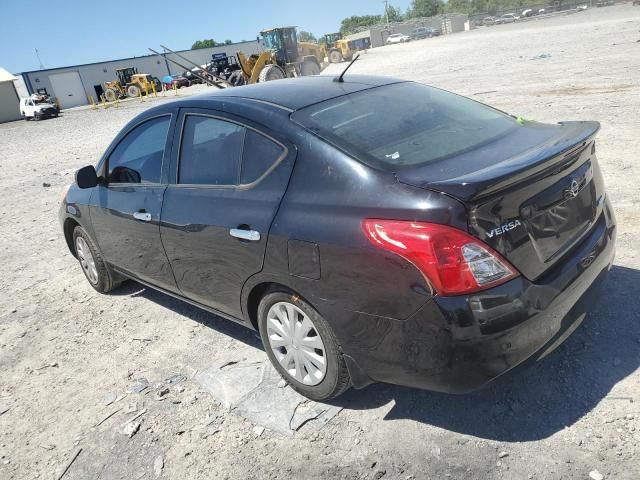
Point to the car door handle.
(142, 216)
(251, 235)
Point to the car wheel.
(93, 266)
(302, 346)
(36, 116)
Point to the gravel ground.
(69, 357)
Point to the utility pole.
(38, 56)
(386, 11)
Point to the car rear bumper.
(459, 344)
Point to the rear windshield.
(404, 124)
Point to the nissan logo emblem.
(575, 188)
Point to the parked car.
(438, 251)
(397, 38)
(425, 32)
(178, 80)
(488, 21)
(581, 8)
(528, 12)
(507, 18)
(35, 107)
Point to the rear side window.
(138, 156)
(404, 124)
(259, 154)
(210, 151)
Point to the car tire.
(93, 265)
(323, 371)
(36, 116)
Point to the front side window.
(210, 151)
(138, 157)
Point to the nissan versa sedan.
(370, 229)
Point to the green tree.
(204, 44)
(425, 8)
(304, 36)
(228, 42)
(458, 6)
(351, 24)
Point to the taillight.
(452, 261)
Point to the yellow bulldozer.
(130, 83)
(338, 49)
(283, 57)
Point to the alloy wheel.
(86, 260)
(296, 343)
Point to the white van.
(30, 108)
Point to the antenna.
(339, 79)
(38, 56)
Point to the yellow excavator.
(338, 49)
(283, 57)
(130, 83)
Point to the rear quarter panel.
(329, 195)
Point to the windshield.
(404, 124)
(272, 40)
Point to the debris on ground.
(66, 469)
(158, 465)
(131, 428)
(596, 475)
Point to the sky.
(74, 32)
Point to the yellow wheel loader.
(130, 83)
(338, 49)
(284, 57)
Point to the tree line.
(429, 8)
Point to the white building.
(72, 86)
(9, 99)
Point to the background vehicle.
(488, 21)
(284, 57)
(425, 32)
(406, 290)
(37, 107)
(507, 18)
(227, 67)
(130, 83)
(397, 38)
(178, 80)
(338, 49)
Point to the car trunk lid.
(531, 194)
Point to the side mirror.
(87, 177)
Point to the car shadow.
(533, 403)
(232, 329)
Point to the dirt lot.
(70, 358)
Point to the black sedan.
(370, 230)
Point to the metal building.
(9, 99)
(72, 86)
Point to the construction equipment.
(284, 57)
(204, 73)
(338, 49)
(130, 83)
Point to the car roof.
(296, 93)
